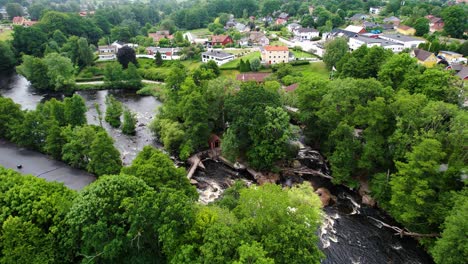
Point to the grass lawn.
(201, 32)
(302, 54)
(236, 62)
(230, 73)
(316, 70)
(6, 34)
(277, 43)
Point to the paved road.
(102, 82)
(42, 166)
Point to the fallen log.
(402, 232)
(307, 171)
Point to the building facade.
(275, 54)
(219, 57)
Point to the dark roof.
(463, 73)
(217, 53)
(337, 31)
(306, 30)
(421, 54)
(359, 17)
(257, 76)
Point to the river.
(347, 235)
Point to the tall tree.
(334, 51)
(7, 57)
(75, 110)
(104, 157)
(14, 10)
(158, 59)
(455, 20)
(113, 111)
(125, 55)
(129, 122)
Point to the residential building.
(435, 23)
(318, 49)
(407, 41)
(258, 77)
(166, 53)
(258, 39)
(281, 21)
(4, 13)
(107, 52)
(275, 54)
(306, 33)
(355, 29)
(392, 20)
(406, 30)
(375, 10)
(219, 57)
(220, 40)
(242, 27)
(293, 26)
(194, 39)
(452, 57)
(425, 58)
(356, 42)
(158, 35)
(463, 73)
(358, 18)
(18, 20)
(284, 16)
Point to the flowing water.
(347, 235)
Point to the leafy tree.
(395, 70)
(75, 110)
(126, 55)
(10, 117)
(158, 59)
(54, 140)
(422, 26)
(334, 51)
(129, 122)
(60, 72)
(79, 139)
(158, 171)
(29, 41)
(454, 20)
(116, 226)
(255, 64)
(113, 111)
(31, 132)
(451, 247)
(242, 66)
(14, 10)
(104, 157)
(35, 70)
(114, 75)
(132, 77)
(7, 57)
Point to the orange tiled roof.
(276, 48)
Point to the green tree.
(35, 70)
(158, 59)
(29, 41)
(396, 70)
(334, 51)
(79, 139)
(31, 132)
(129, 122)
(422, 26)
(60, 72)
(112, 226)
(10, 117)
(7, 57)
(454, 20)
(113, 111)
(75, 110)
(54, 140)
(114, 75)
(451, 248)
(104, 157)
(132, 77)
(255, 64)
(14, 10)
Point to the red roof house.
(222, 40)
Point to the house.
(284, 16)
(355, 29)
(375, 10)
(108, 52)
(258, 39)
(293, 26)
(85, 13)
(291, 88)
(220, 40)
(242, 27)
(392, 20)
(306, 33)
(4, 13)
(463, 73)
(166, 53)
(388, 26)
(452, 57)
(281, 21)
(318, 49)
(358, 18)
(275, 54)
(338, 32)
(258, 77)
(435, 23)
(406, 30)
(407, 41)
(368, 25)
(194, 39)
(356, 42)
(18, 20)
(425, 58)
(219, 57)
(158, 35)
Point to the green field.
(316, 70)
(201, 32)
(6, 34)
(302, 54)
(235, 62)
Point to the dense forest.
(381, 119)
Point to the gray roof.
(382, 42)
(217, 53)
(306, 30)
(463, 73)
(402, 37)
(163, 50)
(359, 17)
(391, 19)
(421, 54)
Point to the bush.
(152, 74)
(316, 38)
(299, 62)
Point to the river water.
(348, 234)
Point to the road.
(102, 82)
(42, 166)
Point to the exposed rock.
(368, 200)
(267, 178)
(325, 196)
(364, 192)
(193, 181)
(296, 164)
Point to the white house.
(166, 53)
(217, 56)
(375, 10)
(107, 52)
(293, 26)
(407, 41)
(356, 42)
(306, 33)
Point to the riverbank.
(42, 166)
